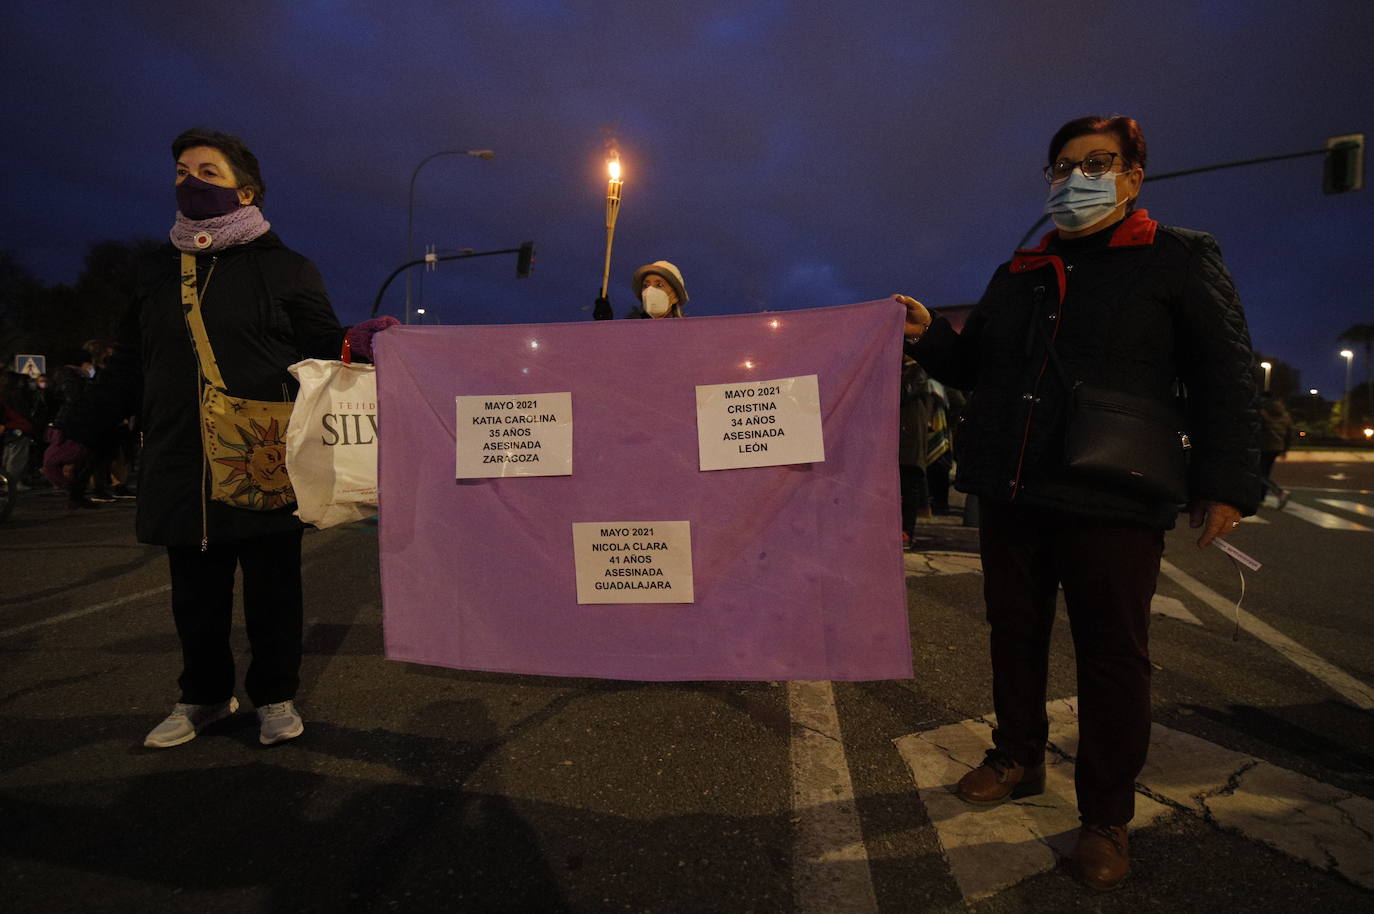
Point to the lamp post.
(1345, 397)
(410, 217)
(1266, 366)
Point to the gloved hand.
(359, 336)
(602, 311)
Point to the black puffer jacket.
(265, 308)
(1131, 308)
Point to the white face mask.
(656, 302)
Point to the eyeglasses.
(1094, 166)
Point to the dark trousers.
(912, 479)
(1267, 459)
(203, 608)
(1108, 574)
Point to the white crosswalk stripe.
(1323, 519)
(1354, 507)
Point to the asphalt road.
(426, 789)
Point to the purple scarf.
(196, 235)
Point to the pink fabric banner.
(797, 569)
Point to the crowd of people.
(1111, 297)
(37, 413)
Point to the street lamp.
(1345, 397)
(1266, 366)
(410, 218)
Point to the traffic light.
(1344, 169)
(525, 263)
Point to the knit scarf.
(196, 235)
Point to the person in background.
(1278, 438)
(16, 431)
(660, 290)
(265, 308)
(65, 459)
(912, 445)
(939, 449)
(1131, 306)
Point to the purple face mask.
(198, 199)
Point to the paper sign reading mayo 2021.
(514, 435)
(759, 423)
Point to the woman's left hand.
(360, 335)
(1215, 518)
(917, 317)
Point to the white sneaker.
(279, 721)
(185, 721)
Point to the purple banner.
(797, 570)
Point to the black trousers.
(912, 479)
(273, 614)
(1108, 574)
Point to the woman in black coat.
(264, 308)
(1132, 307)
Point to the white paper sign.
(759, 423)
(514, 435)
(633, 561)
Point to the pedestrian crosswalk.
(990, 849)
(1325, 519)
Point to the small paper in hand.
(1236, 554)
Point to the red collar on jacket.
(1135, 230)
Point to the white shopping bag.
(331, 442)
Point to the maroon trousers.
(1108, 573)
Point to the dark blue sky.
(784, 155)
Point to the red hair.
(1125, 129)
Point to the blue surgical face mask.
(1081, 201)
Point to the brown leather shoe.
(1103, 856)
(999, 778)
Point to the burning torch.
(612, 211)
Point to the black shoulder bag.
(1133, 443)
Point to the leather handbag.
(1135, 444)
(244, 441)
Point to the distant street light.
(1345, 397)
(1266, 366)
(1313, 391)
(410, 218)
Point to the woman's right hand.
(917, 317)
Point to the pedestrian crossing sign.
(31, 365)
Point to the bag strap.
(1115, 312)
(190, 301)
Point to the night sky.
(784, 155)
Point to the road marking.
(1354, 507)
(992, 848)
(1335, 678)
(830, 869)
(1173, 608)
(84, 611)
(1253, 519)
(922, 564)
(1322, 519)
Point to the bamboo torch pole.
(612, 211)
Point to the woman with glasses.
(1125, 304)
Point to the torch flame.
(613, 166)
